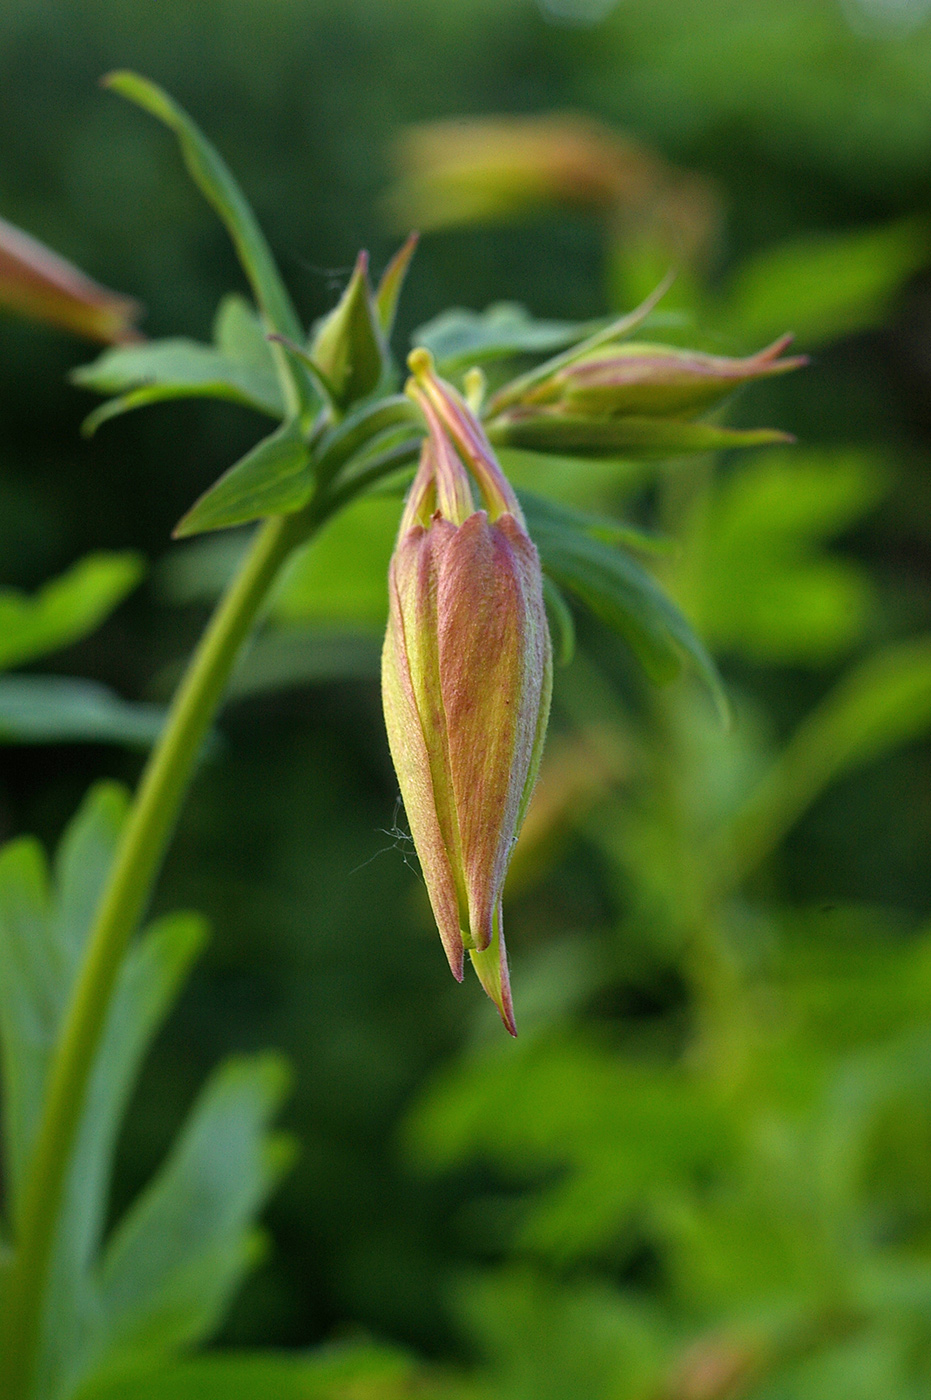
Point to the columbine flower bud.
(634, 397)
(466, 677)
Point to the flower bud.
(466, 677)
(633, 397)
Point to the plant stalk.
(148, 830)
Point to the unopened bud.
(466, 677)
(638, 398)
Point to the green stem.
(142, 848)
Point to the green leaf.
(364, 1372)
(78, 1338)
(880, 704)
(767, 587)
(178, 1254)
(275, 478)
(622, 594)
(66, 710)
(542, 512)
(213, 178)
(556, 431)
(180, 1250)
(66, 608)
(561, 623)
(174, 369)
(341, 575)
(458, 338)
(825, 285)
(285, 657)
(392, 282)
(348, 348)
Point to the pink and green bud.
(466, 677)
(635, 397)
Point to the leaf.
(880, 704)
(173, 369)
(561, 623)
(66, 710)
(392, 283)
(767, 587)
(825, 285)
(213, 178)
(622, 594)
(176, 1257)
(275, 478)
(39, 284)
(347, 347)
(66, 608)
(554, 431)
(298, 656)
(341, 575)
(179, 1251)
(544, 512)
(346, 1372)
(458, 338)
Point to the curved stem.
(148, 829)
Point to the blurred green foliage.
(705, 1163)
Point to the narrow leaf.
(215, 181)
(66, 608)
(275, 478)
(561, 623)
(622, 594)
(583, 436)
(392, 283)
(66, 710)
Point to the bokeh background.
(706, 1161)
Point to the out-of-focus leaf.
(293, 656)
(555, 431)
(881, 703)
(348, 347)
(458, 338)
(562, 1341)
(766, 588)
(561, 624)
(622, 594)
(186, 1242)
(273, 479)
(37, 283)
(67, 710)
(352, 1372)
(212, 176)
(543, 513)
(66, 608)
(341, 576)
(175, 369)
(173, 1261)
(825, 285)
(392, 283)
